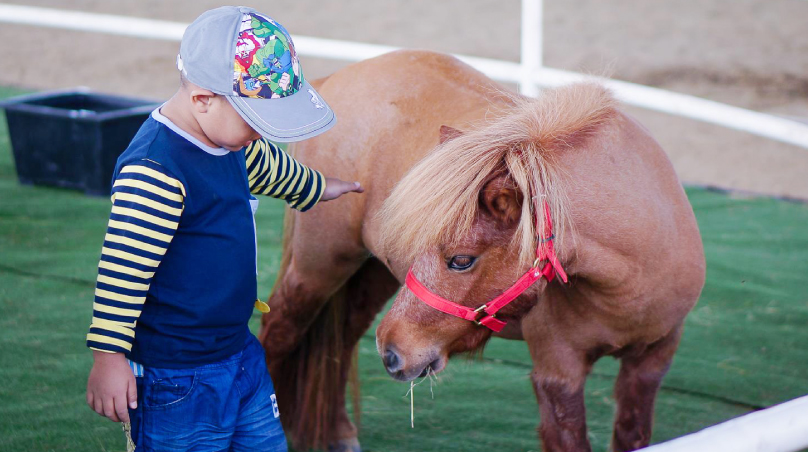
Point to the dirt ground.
(748, 53)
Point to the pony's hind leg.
(366, 294)
(296, 301)
(302, 355)
(316, 263)
(300, 333)
(641, 373)
(310, 336)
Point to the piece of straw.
(412, 404)
(411, 393)
(127, 431)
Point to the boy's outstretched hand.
(334, 188)
(111, 387)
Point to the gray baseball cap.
(250, 59)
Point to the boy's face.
(224, 127)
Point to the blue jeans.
(224, 406)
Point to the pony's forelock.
(437, 201)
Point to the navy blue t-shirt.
(177, 276)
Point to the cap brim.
(292, 118)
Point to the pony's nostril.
(430, 368)
(392, 361)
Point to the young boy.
(176, 280)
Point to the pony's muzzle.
(396, 367)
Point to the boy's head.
(250, 60)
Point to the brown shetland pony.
(455, 170)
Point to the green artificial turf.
(745, 344)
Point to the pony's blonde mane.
(437, 200)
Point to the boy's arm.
(147, 203)
(275, 173)
(146, 206)
(272, 172)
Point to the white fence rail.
(528, 75)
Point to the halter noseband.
(485, 314)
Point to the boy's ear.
(201, 98)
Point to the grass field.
(745, 345)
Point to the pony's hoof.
(345, 445)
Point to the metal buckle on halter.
(536, 264)
(538, 259)
(480, 310)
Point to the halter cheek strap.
(485, 314)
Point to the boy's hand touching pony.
(334, 188)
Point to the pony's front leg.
(560, 367)
(560, 393)
(641, 373)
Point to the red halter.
(485, 314)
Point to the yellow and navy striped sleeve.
(273, 172)
(147, 203)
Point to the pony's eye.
(460, 263)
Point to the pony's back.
(389, 113)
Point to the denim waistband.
(138, 369)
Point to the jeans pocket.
(169, 391)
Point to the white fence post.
(531, 45)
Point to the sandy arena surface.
(748, 53)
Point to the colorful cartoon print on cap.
(266, 63)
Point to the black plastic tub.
(72, 138)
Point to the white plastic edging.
(780, 129)
(781, 428)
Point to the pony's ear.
(448, 133)
(502, 199)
